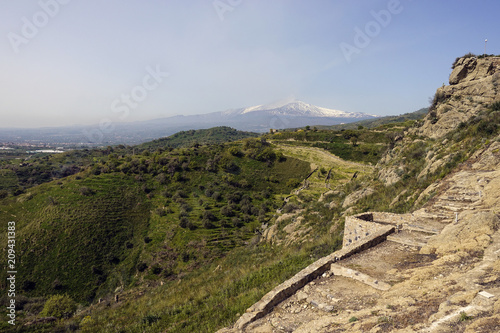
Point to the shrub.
(495, 106)
(464, 316)
(52, 201)
(237, 223)
(216, 196)
(59, 306)
(438, 97)
(290, 207)
(227, 211)
(235, 151)
(183, 222)
(28, 285)
(208, 215)
(207, 224)
(160, 211)
(150, 319)
(353, 319)
(180, 194)
(156, 270)
(57, 285)
(141, 267)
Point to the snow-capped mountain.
(297, 109)
(261, 118)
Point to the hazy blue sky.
(80, 61)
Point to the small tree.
(59, 306)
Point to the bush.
(237, 223)
(28, 285)
(217, 196)
(208, 215)
(227, 211)
(141, 267)
(207, 224)
(59, 306)
(183, 222)
(290, 208)
(84, 190)
(464, 316)
(495, 106)
(160, 211)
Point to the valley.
(197, 231)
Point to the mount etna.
(259, 118)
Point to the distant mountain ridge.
(260, 118)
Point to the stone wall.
(363, 225)
(290, 287)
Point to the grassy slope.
(76, 242)
(361, 145)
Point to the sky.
(69, 62)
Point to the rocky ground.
(440, 272)
(445, 281)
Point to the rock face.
(470, 69)
(474, 85)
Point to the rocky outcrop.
(470, 69)
(474, 85)
(354, 197)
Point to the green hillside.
(198, 137)
(80, 235)
(135, 219)
(188, 238)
